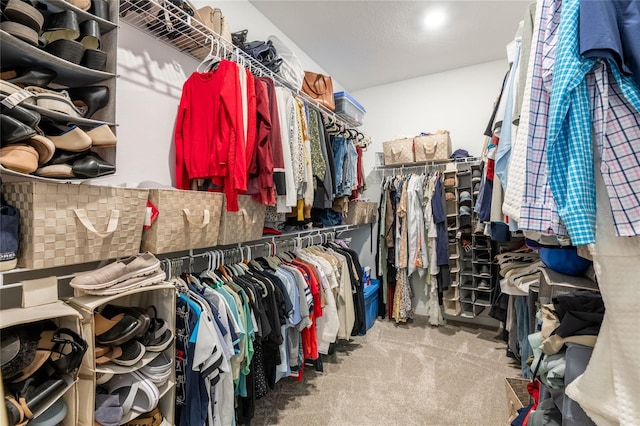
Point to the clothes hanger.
(212, 59)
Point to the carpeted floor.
(411, 374)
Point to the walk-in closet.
(257, 212)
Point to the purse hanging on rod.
(320, 88)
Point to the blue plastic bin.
(371, 302)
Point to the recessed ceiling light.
(434, 19)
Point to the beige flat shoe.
(19, 157)
(73, 139)
(56, 171)
(102, 136)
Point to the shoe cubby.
(466, 295)
(466, 309)
(163, 298)
(466, 267)
(451, 307)
(67, 394)
(482, 298)
(454, 279)
(452, 293)
(467, 283)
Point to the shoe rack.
(470, 264)
(451, 297)
(163, 297)
(63, 316)
(15, 52)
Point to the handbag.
(265, 53)
(398, 151)
(215, 21)
(160, 20)
(320, 88)
(291, 69)
(433, 147)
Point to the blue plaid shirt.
(570, 158)
(569, 136)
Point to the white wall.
(151, 75)
(460, 101)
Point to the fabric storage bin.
(64, 224)
(186, 220)
(372, 212)
(244, 225)
(432, 147)
(348, 108)
(517, 396)
(371, 303)
(398, 151)
(357, 213)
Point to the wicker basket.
(433, 147)
(361, 212)
(517, 395)
(186, 220)
(398, 151)
(64, 224)
(244, 225)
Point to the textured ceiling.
(368, 43)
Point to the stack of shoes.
(35, 143)
(38, 360)
(60, 34)
(124, 334)
(120, 276)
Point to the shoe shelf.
(16, 53)
(163, 297)
(63, 316)
(19, 53)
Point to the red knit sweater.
(209, 134)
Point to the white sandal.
(135, 392)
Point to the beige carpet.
(411, 374)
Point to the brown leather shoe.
(19, 157)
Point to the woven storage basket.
(64, 224)
(517, 395)
(398, 151)
(244, 225)
(372, 212)
(357, 213)
(186, 220)
(433, 147)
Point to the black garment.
(360, 325)
(323, 195)
(489, 130)
(580, 313)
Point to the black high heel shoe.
(29, 76)
(89, 99)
